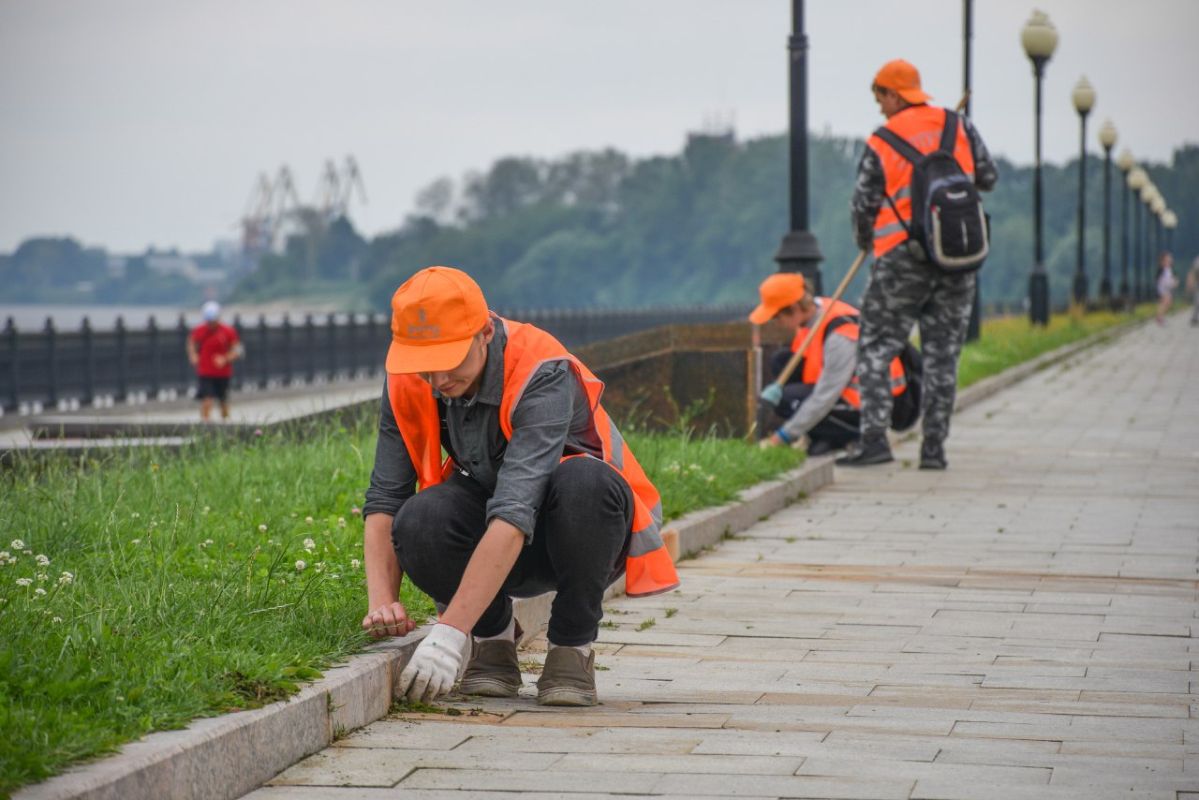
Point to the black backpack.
(905, 407)
(949, 227)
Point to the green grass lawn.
(154, 588)
(1007, 341)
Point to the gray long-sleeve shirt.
(553, 418)
(836, 371)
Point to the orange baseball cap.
(434, 316)
(778, 291)
(904, 79)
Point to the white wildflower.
(5, 558)
(42, 577)
(41, 560)
(135, 515)
(309, 545)
(335, 576)
(341, 522)
(262, 528)
(355, 563)
(301, 565)
(308, 520)
(66, 578)
(56, 620)
(24, 581)
(135, 541)
(39, 591)
(319, 566)
(17, 544)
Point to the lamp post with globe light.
(1170, 222)
(1107, 138)
(1039, 39)
(1147, 253)
(1084, 100)
(1137, 180)
(1125, 162)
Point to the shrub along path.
(1017, 627)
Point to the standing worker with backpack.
(916, 203)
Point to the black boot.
(932, 454)
(871, 450)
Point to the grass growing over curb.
(155, 588)
(1008, 341)
(158, 588)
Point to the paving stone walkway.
(1020, 626)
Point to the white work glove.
(772, 393)
(435, 666)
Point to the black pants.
(579, 546)
(839, 427)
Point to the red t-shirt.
(211, 341)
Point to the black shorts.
(213, 387)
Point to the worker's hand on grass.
(770, 441)
(390, 619)
(772, 393)
(435, 666)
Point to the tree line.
(599, 229)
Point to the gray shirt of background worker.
(840, 361)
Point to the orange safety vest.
(648, 568)
(813, 358)
(921, 126)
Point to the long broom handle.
(798, 354)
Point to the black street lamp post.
(1084, 101)
(972, 329)
(1107, 138)
(799, 251)
(1039, 39)
(1125, 163)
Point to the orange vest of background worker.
(539, 492)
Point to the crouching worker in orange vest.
(820, 401)
(539, 493)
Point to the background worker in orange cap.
(819, 401)
(905, 286)
(539, 493)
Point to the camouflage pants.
(904, 291)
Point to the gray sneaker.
(493, 670)
(567, 679)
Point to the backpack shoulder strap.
(901, 145)
(949, 134)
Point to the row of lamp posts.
(1039, 38)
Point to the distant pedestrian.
(212, 348)
(906, 286)
(1167, 282)
(1193, 290)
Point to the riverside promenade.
(1020, 626)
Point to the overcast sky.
(129, 123)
